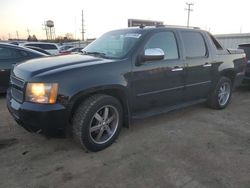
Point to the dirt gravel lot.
(196, 147)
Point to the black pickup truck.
(125, 74)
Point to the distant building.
(233, 40)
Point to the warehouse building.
(233, 40)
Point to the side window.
(9, 53)
(48, 47)
(165, 41)
(35, 45)
(194, 44)
(215, 42)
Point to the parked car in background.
(38, 49)
(52, 48)
(16, 42)
(72, 50)
(125, 74)
(76, 50)
(9, 56)
(246, 48)
(64, 48)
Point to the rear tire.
(97, 122)
(221, 94)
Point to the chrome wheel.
(224, 93)
(103, 124)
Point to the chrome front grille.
(17, 88)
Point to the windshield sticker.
(133, 35)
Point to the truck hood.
(37, 66)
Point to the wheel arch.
(117, 92)
(229, 73)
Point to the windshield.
(113, 44)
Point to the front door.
(158, 83)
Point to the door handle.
(177, 69)
(207, 65)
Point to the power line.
(189, 9)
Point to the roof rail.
(176, 26)
(159, 26)
(181, 26)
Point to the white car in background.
(52, 48)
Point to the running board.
(163, 110)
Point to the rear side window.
(194, 44)
(9, 53)
(215, 42)
(165, 41)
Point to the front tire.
(221, 94)
(97, 122)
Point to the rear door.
(198, 65)
(158, 83)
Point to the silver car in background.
(52, 48)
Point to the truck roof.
(147, 28)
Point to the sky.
(100, 16)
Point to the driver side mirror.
(153, 54)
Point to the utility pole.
(82, 27)
(17, 35)
(189, 9)
(28, 31)
(75, 28)
(9, 35)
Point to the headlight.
(45, 93)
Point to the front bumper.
(35, 117)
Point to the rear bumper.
(35, 117)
